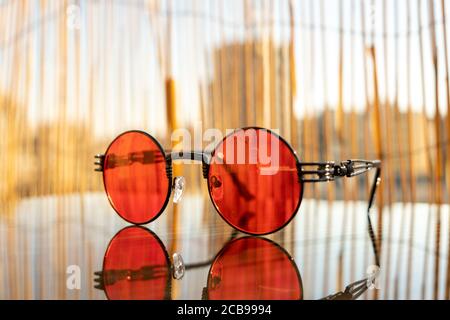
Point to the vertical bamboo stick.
(316, 118)
(329, 129)
(438, 167)
(366, 94)
(155, 14)
(429, 161)
(84, 182)
(62, 143)
(340, 121)
(266, 55)
(354, 145)
(237, 120)
(306, 134)
(248, 63)
(13, 110)
(292, 76)
(42, 163)
(273, 70)
(3, 148)
(171, 108)
(388, 168)
(13, 148)
(292, 93)
(284, 74)
(216, 85)
(219, 77)
(447, 91)
(197, 43)
(26, 151)
(199, 36)
(411, 164)
(3, 125)
(257, 64)
(401, 153)
(340, 130)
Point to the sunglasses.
(136, 265)
(255, 178)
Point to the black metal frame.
(308, 172)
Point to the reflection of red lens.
(253, 181)
(136, 266)
(254, 269)
(135, 177)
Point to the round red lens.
(134, 174)
(253, 181)
(254, 269)
(136, 266)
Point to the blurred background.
(338, 79)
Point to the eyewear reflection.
(136, 265)
(255, 179)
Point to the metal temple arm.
(352, 292)
(330, 170)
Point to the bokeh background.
(338, 79)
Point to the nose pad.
(179, 267)
(216, 275)
(178, 187)
(215, 184)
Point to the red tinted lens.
(254, 269)
(136, 266)
(253, 181)
(135, 177)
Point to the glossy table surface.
(76, 247)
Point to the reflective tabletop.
(76, 247)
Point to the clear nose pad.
(178, 187)
(179, 267)
(215, 184)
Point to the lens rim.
(169, 188)
(297, 161)
(283, 250)
(167, 293)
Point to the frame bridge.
(200, 156)
(188, 155)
